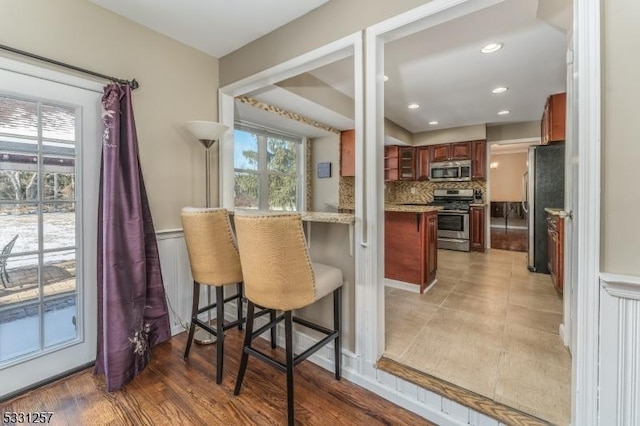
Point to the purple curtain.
(132, 311)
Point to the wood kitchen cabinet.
(479, 159)
(423, 160)
(553, 124)
(476, 228)
(411, 247)
(451, 151)
(399, 163)
(406, 163)
(348, 153)
(555, 247)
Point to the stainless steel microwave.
(450, 171)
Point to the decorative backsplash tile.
(309, 171)
(400, 191)
(284, 113)
(347, 191)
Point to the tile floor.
(490, 326)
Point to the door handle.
(525, 192)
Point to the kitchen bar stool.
(278, 274)
(214, 260)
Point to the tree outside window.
(266, 169)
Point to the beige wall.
(325, 190)
(515, 131)
(330, 22)
(620, 200)
(455, 134)
(177, 84)
(310, 87)
(506, 179)
(398, 132)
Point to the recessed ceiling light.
(500, 89)
(433, 123)
(413, 106)
(504, 112)
(491, 47)
(385, 78)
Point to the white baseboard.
(415, 288)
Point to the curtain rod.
(132, 83)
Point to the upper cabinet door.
(348, 153)
(460, 151)
(553, 124)
(479, 159)
(440, 152)
(407, 163)
(423, 155)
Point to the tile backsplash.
(400, 191)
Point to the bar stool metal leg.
(239, 304)
(247, 343)
(194, 315)
(337, 325)
(272, 318)
(219, 332)
(288, 327)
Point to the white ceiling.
(216, 27)
(442, 69)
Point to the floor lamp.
(207, 132)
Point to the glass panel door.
(49, 165)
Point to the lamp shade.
(206, 130)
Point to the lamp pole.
(203, 337)
(207, 132)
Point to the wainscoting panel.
(176, 274)
(620, 350)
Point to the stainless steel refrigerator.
(543, 187)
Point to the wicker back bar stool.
(214, 260)
(278, 274)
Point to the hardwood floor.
(509, 239)
(171, 391)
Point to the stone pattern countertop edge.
(325, 217)
(553, 211)
(478, 205)
(392, 207)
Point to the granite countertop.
(410, 208)
(324, 217)
(393, 207)
(555, 212)
(478, 205)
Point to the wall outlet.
(413, 189)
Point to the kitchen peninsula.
(411, 244)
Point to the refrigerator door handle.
(525, 192)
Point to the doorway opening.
(485, 323)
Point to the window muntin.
(39, 300)
(267, 167)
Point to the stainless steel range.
(453, 219)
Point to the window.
(38, 296)
(267, 168)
